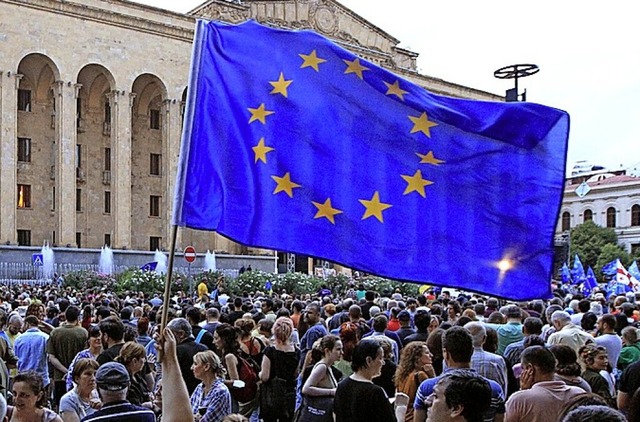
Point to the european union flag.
(566, 274)
(634, 271)
(590, 282)
(610, 269)
(577, 272)
(293, 143)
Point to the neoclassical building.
(91, 106)
(611, 200)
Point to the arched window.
(635, 215)
(566, 221)
(588, 215)
(611, 217)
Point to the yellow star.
(259, 114)
(422, 124)
(416, 183)
(374, 207)
(280, 86)
(355, 67)
(311, 60)
(261, 151)
(326, 210)
(429, 158)
(284, 184)
(394, 89)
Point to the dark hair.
(328, 342)
(584, 399)
(458, 343)
(456, 306)
(103, 312)
(193, 314)
(469, 390)
(610, 320)
(350, 338)
(594, 413)
(126, 312)
(94, 331)
(584, 305)
(35, 383)
(380, 323)
(366, 348)
(31, 320)
(72, 313)
(540, 357)
(421, 320)
(112, 327)
(369, 295)
(566, 360)
(229, 336)
(588, 321)
(532, 340)
(533, 325)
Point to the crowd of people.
(70, 355)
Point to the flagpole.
(167, 283)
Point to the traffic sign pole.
(190, 256)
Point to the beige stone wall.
(135, 59)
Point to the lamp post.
(516, 71)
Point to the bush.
(87, 279)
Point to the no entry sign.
(190, 254)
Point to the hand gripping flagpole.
(167, 282)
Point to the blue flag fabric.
(634, 271)
(149, 266)
(577, 272)
(590, 282)
(566, 274)
(295, 144)
(610, 269)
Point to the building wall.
(97, 70)
(622, 196)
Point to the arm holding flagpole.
(167, 283)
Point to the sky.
(586, 52)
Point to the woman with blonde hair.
(133, 357)
(596, 360)
(211, 400)
(415, 366)
(278, 374)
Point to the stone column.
(9, 83)
(121, 104)
(171, 135)
(66, 139)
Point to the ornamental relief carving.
(324, 18)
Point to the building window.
(24, 196)
(107, 239)
(79, 108)
(107, 112)
(79, 239)
(78, 200)
(155, 163)
(566, 221)
(635, 215)
(24, 100)
(24, 237)
(588, 215)
(611, 217)
(154, 243)
(53, 238)
(107, 159)
(154, 119)
(107, 202)
(53, 198)
(635, 248)
(24, 150)
(154, 206)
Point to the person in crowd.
(83, 399)
(460, 396)
(548, 328)
(186, 350)
(567, 332)
(112, 331)
(29, 399)
(316, 329)
(434, 343)
(143, 337)
(211, 400)
(31, 349)
(91, 352)
(596, 360)
(279, 362)
(541, 398)
(250, 344)
(594, 413)
(421, 320)
(357, 398)
(457, 346)
(379, 329)
(39, 311)
(415, 366)
(64, 344)
(511, 331)
(212, 316)
(385, 379)
(453, 312)
(567, 367)
(531, 326)
(405, 330)
(630, 351)
(226, 342)
(112, 379)
(588, 323)
(609, 339)
(133, 357)
(322, 382)
(489, 365)
(202, 336)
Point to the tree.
(588, 239)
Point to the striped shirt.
(121, 411)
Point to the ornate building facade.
(91, 106)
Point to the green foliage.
(387, 287)
(611, 252)
(135, 279)
(588, 239)
(86, 279)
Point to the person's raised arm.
(176, 406)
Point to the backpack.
(247, 372)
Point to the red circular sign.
(190, 254)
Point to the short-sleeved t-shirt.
(71, 402)
(65, 342)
